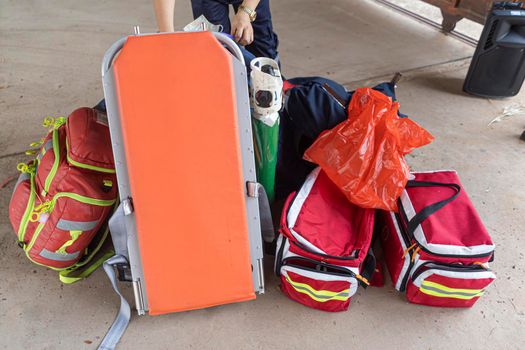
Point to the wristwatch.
(251, 13)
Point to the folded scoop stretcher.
(187, 233)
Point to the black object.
(498, 66)
(124, 273)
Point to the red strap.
(287, 86)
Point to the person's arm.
(165, 12)
(241, 26)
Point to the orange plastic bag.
(364, 155)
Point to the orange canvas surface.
(176, 96)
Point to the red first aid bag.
(435, 246)
(323, 250)
(64, 196)
(363, 155)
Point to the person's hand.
(242, 28)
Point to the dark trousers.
(217, 12)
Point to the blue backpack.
(311, 106)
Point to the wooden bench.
(455, 10)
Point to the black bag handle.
(432, 208)
(368, 268)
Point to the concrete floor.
(50, 64)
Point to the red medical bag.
(323, 250)
(436, 247)
(64, 196)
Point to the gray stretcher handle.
(110, 54)
(232, 47)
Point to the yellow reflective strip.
(439, 290)
(318, 295)
(451, 290)
(74, 236)
(454, 296)
(27, 248)
(319, 292)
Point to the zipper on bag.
(319, 265)
(406, 239)
(447, 267)
(279, 256)
(56, 151)
(355, 253)
(27, 213)
(342, 272)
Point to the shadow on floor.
(450, 85)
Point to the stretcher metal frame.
(128, 246)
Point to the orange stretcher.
(187, 232)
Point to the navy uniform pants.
(217, 12)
